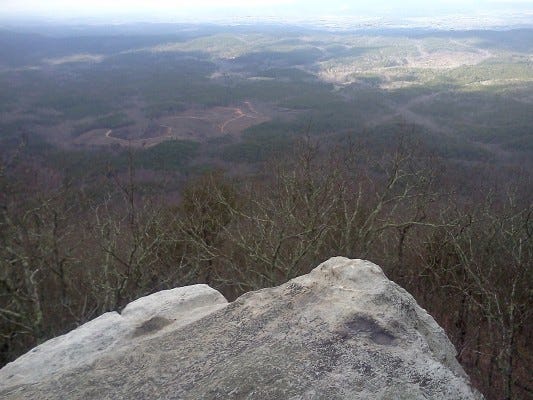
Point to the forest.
(242, 157)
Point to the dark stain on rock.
(383, 338)
(363, 325)
(152, 325)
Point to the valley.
(204, 86)
(140, 157)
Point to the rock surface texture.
(344, 331)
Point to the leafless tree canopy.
(67, 255)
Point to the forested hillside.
(243, 157)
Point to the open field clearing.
(194, 124)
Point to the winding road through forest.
(238, 113)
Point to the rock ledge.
(343, 331)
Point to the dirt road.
(228, 117)
(240, 114)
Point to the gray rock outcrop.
(343, 331)
(141, 319)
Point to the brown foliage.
(65, 258)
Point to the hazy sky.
(284, 8)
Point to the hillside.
(140, 157)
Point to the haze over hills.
(334, 14)
(145, 148)
(143, 84)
